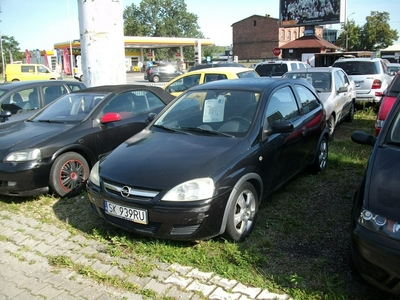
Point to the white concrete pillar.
(102, 42)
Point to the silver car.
(336, 90)
(370, 75)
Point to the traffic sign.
(276, 51)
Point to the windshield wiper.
(49, 121)
(206, 131)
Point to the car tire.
(156, 78)
(321, 157)
(68, 174)
(242, 213)
(350, 115)
(330, 124)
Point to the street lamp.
(347, 31)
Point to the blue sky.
(39, 24)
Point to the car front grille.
(129, 192)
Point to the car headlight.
(379, 224)
(24, 155)
(192, 190)
(94, 177)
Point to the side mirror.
(343, 89)
(4, 115)
(110, 117)
(151, 117)
(363, 138)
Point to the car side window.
(344, 78)
(308, 100)
(281, 106)
(214, 77)
(294, 66)
(338, 81)
(74, 87)
(52, 92)
(184, 83)
(21, 101)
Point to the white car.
(336, 90)
(79, 75)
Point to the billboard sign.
(293, 13)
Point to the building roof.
(309, 41)
(395, 47)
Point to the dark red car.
(388, 99)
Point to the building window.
(282, 34)
(288, 36)
(295, 35)
(254, 23)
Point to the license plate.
(127, 213)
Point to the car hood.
(382, 187)
(28, 135)
(324, 96)
(161, 160)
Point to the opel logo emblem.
(125, 191)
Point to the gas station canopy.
(144, 42)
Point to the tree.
(351, 33)
(10, 46)
(162, 18)
(374, 35)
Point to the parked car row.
(195, 159)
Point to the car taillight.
(377, 84)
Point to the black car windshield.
(226, 111)
(70, 108)
(319, 80)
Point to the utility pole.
(102, 42)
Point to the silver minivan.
(370, 76)
(276, 68)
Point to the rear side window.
(395, 87)
(247, 74)
(28, 69)
(308, 100)
(294, 66)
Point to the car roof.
(278, 62)
(122, 88)
(28, 83)
(315, 70)
(359, 59)
(255, 84)
(220, 70)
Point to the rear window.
(28, 69)
(358, 67)
(248, 74)
(271, 69)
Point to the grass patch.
(300, 245)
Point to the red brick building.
(255, 37)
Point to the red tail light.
(149, 71)
(377, 84)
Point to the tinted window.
(272, 69)
(308, 100)
(52, 92)
(282, 105)
(358, 67)
(395, 87)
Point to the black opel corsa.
(203, 165)
(54, 149)
(375, 226)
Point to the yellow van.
(21, 72)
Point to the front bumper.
(377, 259)
(24, 179)
(176, 221)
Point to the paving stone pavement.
(27, 245)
